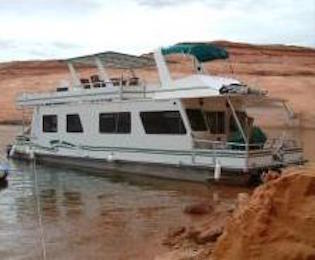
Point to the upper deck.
(102, 87)
(195, 86)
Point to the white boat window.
(163, 122)
(50, 124)
(116, 123)
(216, 122)
(74, 124)
(196, 120)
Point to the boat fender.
(12, 151)
(31, 154)
(217, 171)
(4, 174)
(9, 147)
(110, 157)
(180, 164)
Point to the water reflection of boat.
(181, 129)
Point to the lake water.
(86, 216)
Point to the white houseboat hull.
(197, 166)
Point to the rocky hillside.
(285, 71)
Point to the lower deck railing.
(271, 144)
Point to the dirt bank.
(285, 71)
(276, 222)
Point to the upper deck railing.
(89, 91)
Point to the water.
(86, 216)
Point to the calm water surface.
(86, 216)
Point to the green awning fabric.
(202, 52)
(257, 139)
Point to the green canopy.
(202, 52)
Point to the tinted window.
(119, 123)
(196, 120)
(163, 122)
(50, 124)
(74, 124)
(216, 122)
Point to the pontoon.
(185, 128)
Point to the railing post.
(144, 90)
(239, 125)
(121, 90)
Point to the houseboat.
(190, 128)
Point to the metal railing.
(271, 143)
(282, 142)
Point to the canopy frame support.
(74, 75)
(239, 125)
(101, 69)
(164, 74)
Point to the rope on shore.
(39, 213)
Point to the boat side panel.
(89, 114)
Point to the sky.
(46, 29)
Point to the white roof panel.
(115, 60)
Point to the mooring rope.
(39, 212)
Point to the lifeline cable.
(39, 212)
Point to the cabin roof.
(112, 59)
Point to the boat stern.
(276, 154)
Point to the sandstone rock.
(210, 235)
(172, 237)
(198, 209)
(276, 223)
(242, 200)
